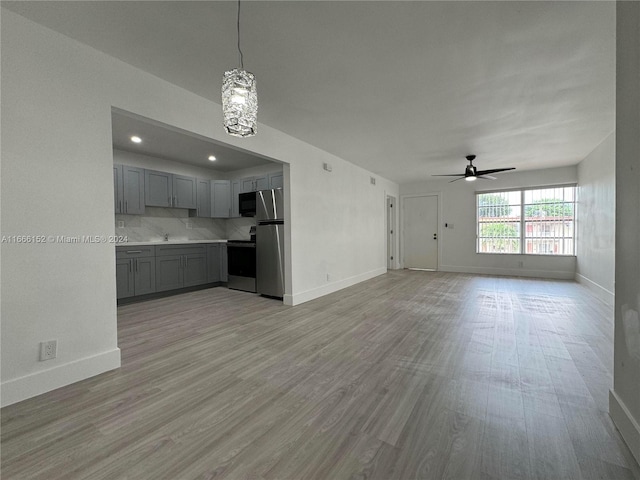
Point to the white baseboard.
(298, 298)
(599, 291)
(510, 272)
(626, 424)
(18, 389)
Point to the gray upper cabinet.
(117, 188)
(220, 198)
(203, 197)
(261, 183)
(235, 191)
(164, 189)
(276, 180)
(128, 183)
(247, 185)
(252, 184)
(133, 182)
(158, 189)
(184, 192)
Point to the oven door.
(241, 259)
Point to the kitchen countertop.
(167, 242)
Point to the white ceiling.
(404, 89)
(171, 143)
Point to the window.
(536, 221)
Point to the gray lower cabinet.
(213, 262)
(135, 271)
(179, 266)
(158, 268)
(224, 269)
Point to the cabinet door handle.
(126, 206)
(130, 264)
(134, 251)
(136, 260)
(119, 206)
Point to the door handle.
(435, 236)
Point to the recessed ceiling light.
(212, 158)
(136, 139)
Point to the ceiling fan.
(471, 172)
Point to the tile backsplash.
(238, 228)
(156, 222)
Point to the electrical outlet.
(120, 223)
(372, 180)
(48, 350)
(328, 277)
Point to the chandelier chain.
(238, 28)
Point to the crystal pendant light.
(239, 98)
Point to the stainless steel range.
(242, 265)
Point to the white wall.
(457, 246)
(57, 96)
(596, 220)
(624, 399)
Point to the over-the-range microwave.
(247, 204)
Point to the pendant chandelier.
(239, 98)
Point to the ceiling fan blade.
(450, 175)
(495, 170)
(457, 179)
(486, 177)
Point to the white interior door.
(420, 232)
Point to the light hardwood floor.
(411, 375)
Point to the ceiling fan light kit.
(471, 173)
(239, 98)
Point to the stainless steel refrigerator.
(270, 242)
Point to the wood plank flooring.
(411, 375)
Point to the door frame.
(438, 195)
(391, 231)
